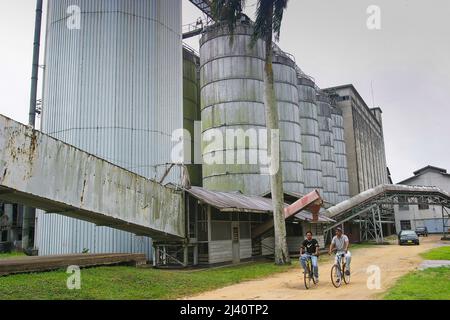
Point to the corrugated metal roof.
(238, 202)
(232, 201)
(371, 193)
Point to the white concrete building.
(410, 216)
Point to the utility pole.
(29, 214)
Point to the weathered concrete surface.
(42, 172)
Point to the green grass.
(441, 253)
(130, 283)
(12, 255)
(429, 284)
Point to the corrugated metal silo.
(340, 154)
(112, 87)
(328, 158)
(312, 163)
(285, 80)
(232, 98)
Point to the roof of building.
(424, 170)
(238, 202)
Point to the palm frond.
(227, 11)
(264, 18)
(279, 7)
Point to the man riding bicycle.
(310, 250)
(340, 243)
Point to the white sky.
(408, 61)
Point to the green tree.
(269, 15)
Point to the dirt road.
(393, 261)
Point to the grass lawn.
(130, 283)
(441, 253)
(429, 284)
(12, 255)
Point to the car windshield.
(408, 233)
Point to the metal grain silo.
(285, 80)
(328, 158)
(191, 110)
(340, 154)
(232, 98)
(112, 87)
(309, 122)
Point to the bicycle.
(308, 274)
(338, 271)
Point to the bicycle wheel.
(307, 276)
(335, 277)
(346, 277)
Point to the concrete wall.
(428, 217)
(364, 141)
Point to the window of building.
(294, 230)
(217, 215)
(403, 204)
(244, 228)
(220, 230)
(4, 236)
(424, 206)
(405, 224)
(202, 224)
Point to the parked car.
(422, 231)
(408, 237)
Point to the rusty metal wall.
(312, 166)
(113, 87)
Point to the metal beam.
(204, 6)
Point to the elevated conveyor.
(41, 172)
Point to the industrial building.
(408, 216)
(122, 84)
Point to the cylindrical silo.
(340, 154)
(191, 111)
(309, 122)
(112, 87)
(232, 103)
(285, 81)
(328, 158)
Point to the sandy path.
(393, 261)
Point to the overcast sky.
(408, 62)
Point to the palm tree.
(269, 15)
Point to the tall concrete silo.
(285, 80)
(232, 99)
(112, 87)
(191, 111)
(328, 158)
(309, 122)
(340, 154)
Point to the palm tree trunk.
(276, 179)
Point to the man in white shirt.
(340, 243)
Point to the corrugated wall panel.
(340, 155)
(112, 88)
(309, 123)
(330, 192)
